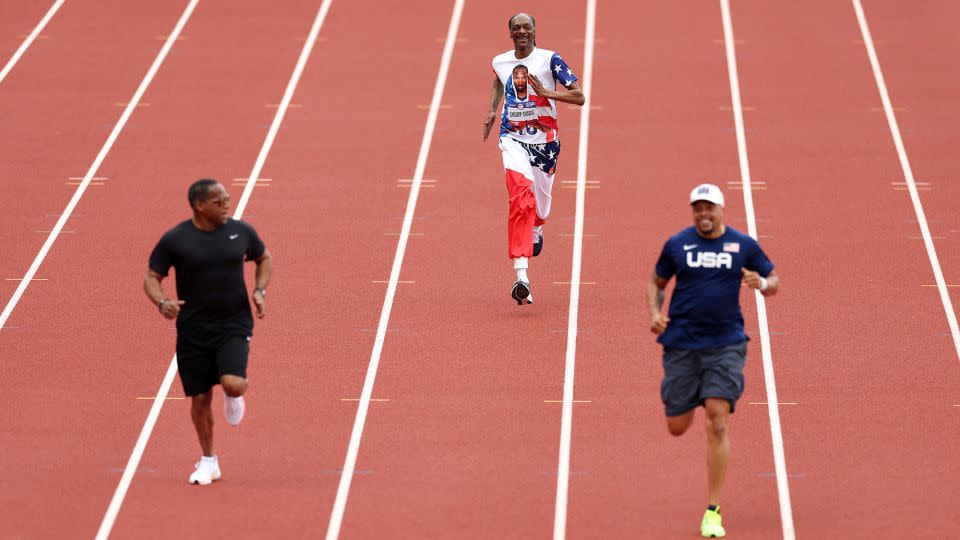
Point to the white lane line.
(92, 171)
(566, 418)
(779, 458)
(353, 448)
(30, 38)
(133, 463)
(908, 175)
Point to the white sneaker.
(233, 409)
(207, 470)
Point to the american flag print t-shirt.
(527, 117)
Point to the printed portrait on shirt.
(520, 81)
(523, 114)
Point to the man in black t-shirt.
(214, 321)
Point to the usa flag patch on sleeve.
(731, 247)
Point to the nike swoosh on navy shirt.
(688, 248)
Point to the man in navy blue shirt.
(704, 344)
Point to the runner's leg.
(718, 445)
(202, 417)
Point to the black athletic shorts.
(201, 364)
(691, 376)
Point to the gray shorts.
(691, 376)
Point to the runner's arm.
(264, 272)
(496, 92)
(571, 94)
(655, 297)
(151, 285)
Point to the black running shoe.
(520, 292)
(537, 243)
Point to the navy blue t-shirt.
(705, 304)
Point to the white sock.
(520, 265)
(538, 229)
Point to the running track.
(462, 436)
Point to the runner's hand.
(533, 81)
(258, 302)
(171, 308)
(751, 279)
(488, 124)
(658, 323)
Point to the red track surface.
(466, 446)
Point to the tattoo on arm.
(496, 92)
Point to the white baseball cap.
(707, 192)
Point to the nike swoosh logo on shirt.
(688, 248)
(232, 236)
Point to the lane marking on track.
(895, 109)
(117, 501)
(570, 282)
(936, 285)
(61, 232)
(388, 281)
(407, 183)
(358, 472)
(756, 185)
(776, 434)
(908, 176)
(88, 177)
(569, 368)
(572, 401)
(31, 279)
(158, 397)
(353, 448)
(442, 107)
(765, 403)
(290, 106)
(35, 34)
(398, 234)
(746, 108)
(592, 107)
(358, 399)
(127, 104)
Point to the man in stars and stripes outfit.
(532, 80)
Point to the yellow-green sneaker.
(710, 527)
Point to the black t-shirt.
(209, 274)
